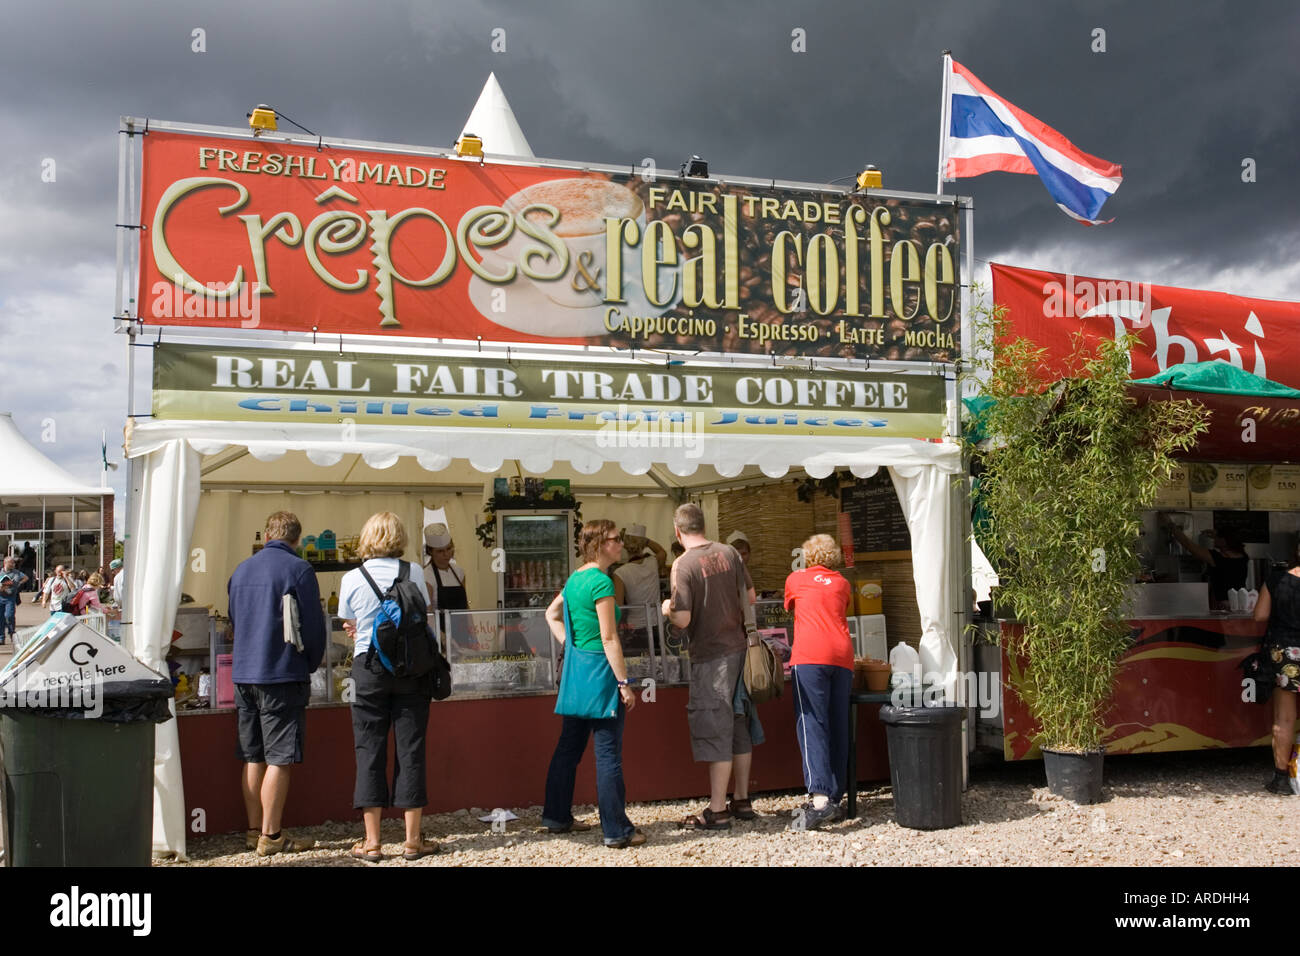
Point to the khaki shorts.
(717, 732)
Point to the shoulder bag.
(588, 688)
(764, 675)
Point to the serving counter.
(490, 743)
(1178, 687)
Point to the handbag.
(764, 676)
(440, 676)
(1259, 669)
(588, 688)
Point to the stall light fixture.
(469, 145)
(265, 119)
(262, 120)
(695, 167)
(871, 178)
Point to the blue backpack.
(401, 636)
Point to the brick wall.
(106, 540)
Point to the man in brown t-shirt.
(706, 603)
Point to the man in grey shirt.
(709, 584)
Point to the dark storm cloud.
(1183, 93)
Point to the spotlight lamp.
(696, 168)
(871, 178)
(262, 120)
(469, 145)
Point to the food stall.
(670, 384)
(1179, 686)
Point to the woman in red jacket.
(822, 665)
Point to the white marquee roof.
(493, 121)
(24, 471)
(539, 450)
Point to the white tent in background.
(39, 501)
(24, 471)
(493, 121)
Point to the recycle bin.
(925, 764)
(77, 716)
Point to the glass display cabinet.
(500, 652)
(538, 549)
(637, 632)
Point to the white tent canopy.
(493, 121)
(24, 471)
(538, 450)
(168, 468)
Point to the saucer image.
(528, 309)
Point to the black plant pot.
(1076, 777)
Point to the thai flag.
(984, 133)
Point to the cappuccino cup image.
(581, 207)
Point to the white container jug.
(904, 666)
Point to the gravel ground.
(1160, 810)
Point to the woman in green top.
(589, 595)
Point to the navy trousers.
(611, 795)
(821, 724)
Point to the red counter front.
(494, 753)
(1179, 687)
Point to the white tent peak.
(25, 471)
(493, 121)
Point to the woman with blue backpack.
(387, 697)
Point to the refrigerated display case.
(637, 632)
(538, 549)
(500, 652)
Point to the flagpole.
(944, 122)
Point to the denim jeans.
(821, 723)
(611, 795)
(8, 614)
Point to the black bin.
(78, 768)
(925, 765)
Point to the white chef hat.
(737, 535)
(436, 536)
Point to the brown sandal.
(742, 809)
(708, 820)
(415, 851)
(370, 854)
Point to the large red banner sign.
(1174, 325)
(260, 233)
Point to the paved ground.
(30, 614)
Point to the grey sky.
(1183, 93)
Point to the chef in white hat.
(444, 577)
(740, 542)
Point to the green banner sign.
(329, 387)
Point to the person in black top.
(1279, 604)
(1226, 563)
(27, 565)
(442, 575)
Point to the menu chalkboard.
(1251, 526)
(875, 518)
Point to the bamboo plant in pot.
(1067, 469)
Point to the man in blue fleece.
(271, 670)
